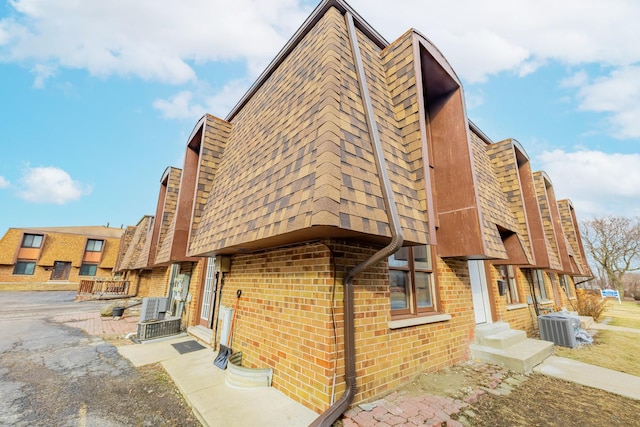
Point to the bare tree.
(614, 244)
(631, 283)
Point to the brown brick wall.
(9, 244)
(284, 321)
(41, 279)
(144, 279)
(158, 282)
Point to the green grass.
(612, 350)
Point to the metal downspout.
(340, 406)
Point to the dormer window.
(32, 241)
(94, 245)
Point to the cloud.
(577, 79)
(167, 41)
(4, 183)
(42, 73)
(485, 38)
(187, 105)
(179, 106)
(50, 185)
(474, 98)
(162, 39)
(616, 94)
(150, 39)
(599, 183)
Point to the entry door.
(208, 295)
(481, 304)
(173, 275)
(60, 270)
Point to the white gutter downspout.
(327, 418)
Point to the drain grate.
(187, 346)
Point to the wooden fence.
(103, 288)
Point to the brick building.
(370, 225)
(152, 254)
(57, 258)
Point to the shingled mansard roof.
(125, 244)
(571, 230)
(293, 161)
(298, 160)
(165, 224)
(136, 254)
(548, 211)
(509, 162)
(498, 211)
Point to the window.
(411, 281)
(564, 282)
(32, 241)
(24, 267)
(509, 276)
(94, 245)
(88, 269)
(538, 283)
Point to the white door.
(481, 305)
(206, 308)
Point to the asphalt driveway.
(54, 374)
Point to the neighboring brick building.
(345, 146)
(152, 254)
(57, 258)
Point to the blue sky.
(99, 97)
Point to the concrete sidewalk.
(604, 326)
(203, 386)
(590, 375)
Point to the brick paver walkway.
(399, 410)
(403, 409)
(96, 325)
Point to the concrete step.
(503, 339)
(486, 329)
(201, 333)
(520, 357)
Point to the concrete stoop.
(201, 333)
(498, 344)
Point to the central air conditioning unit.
(153, 309)
(159, 329)
(559, 329)
(152, 323)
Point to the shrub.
(591, 304)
